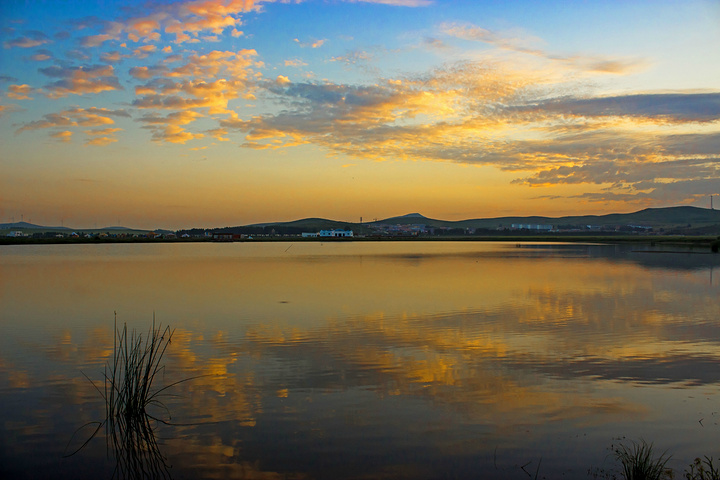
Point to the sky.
(211, 113)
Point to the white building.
(525, 226)
(336, 233)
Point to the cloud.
(112, 57)
(185, 20)
(144, 51)
(146, 73)
(90, 117)
(176, 118)
(310, 44)
(526, 44)
(112, 31)
(104, 131)
(397, 3)
(6, 109)
(106, 111)
(466, 31)
(78, 54)
(168, 128)
(19, 92)
(31, 39)
(296, 62)
(80, 80)
(233, 64)
(174, 134)
(192, 95)
(50, 120)
(64, 136)
(42, 55)
(219, 134)
(353, 57)
(676, 107)
(435, 44)
(100, 141)
(208, 81)
(483, 113)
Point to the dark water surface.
(366, 360)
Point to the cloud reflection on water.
(435, 358)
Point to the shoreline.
(705, 241)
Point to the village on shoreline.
(681, 225)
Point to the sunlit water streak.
(367, 360)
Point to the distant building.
(309, 234)
(528, 226)
(335, 233)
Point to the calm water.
(366, 360)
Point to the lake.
(364, 360)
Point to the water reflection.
(412, 362)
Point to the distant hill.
(295, 227)
(652, 217)
(410, 218)
(26, 225)
(307, 223)
(683, 219)
(701, 220)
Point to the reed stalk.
(639, 462)
(129, 392)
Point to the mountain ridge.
(655, 217)
(662, 218)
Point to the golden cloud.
(144, 51)
(219, 134)
(31, 39)
(64, 136)
(177, 118)
(184, 19)
(174, 134)
(85, 117)
(80, 80)
(5, 109)
(485, 114)
(100, 141)
(104, 131)
(19, 92)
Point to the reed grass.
(130, 393)
(703, 469)
(639, 462)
